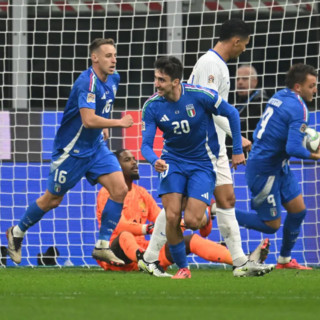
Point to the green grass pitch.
(81, 293)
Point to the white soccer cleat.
(261, 252)
(153, 268)
(14, 246)
(252, 269)
(107, 255)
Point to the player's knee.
(226, 201)
(173, 218)
(272, 226)
(192, 222)
(118, 194)
(55, 202)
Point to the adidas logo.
(164, 118)
(103, 97)
(205, 195)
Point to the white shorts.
(223, 171)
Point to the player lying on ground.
(139, 212)
(79, 151)
(278, 136)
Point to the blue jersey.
(90, 92)
(280, 131)
(188, 130)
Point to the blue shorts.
(189, 179)
(268, 191)
(66, 171)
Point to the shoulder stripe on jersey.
(189, 87)
(149, 100)
(93, 82)
(305, 108)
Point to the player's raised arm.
(93, 121)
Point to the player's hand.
(238, 159)
(160, 166)
(246, 144)
(150, 228)
(127, 121)
(105, 133)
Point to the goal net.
(44, 47)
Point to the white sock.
(229, 229)
(102, 244)
(17, 232)
(158, 238)
(284, 260)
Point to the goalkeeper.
(128, 241)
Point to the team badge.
(57, 187)
(91, 97)
(190, 110)
(210, 78)
(273, 212)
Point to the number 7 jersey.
(280, 131)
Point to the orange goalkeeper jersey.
(138, 208)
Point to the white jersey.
(211, 71)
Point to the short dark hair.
(171, 66)
(97, 43)
(232, 28)
(118, 153)
(298, 74)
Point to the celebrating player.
(278, 136)
(212, 71)
(187, 165)
(139, 211)
(79, 150)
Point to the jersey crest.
(210, 78)
(191, 110)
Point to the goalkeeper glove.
(147, 228)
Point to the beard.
(134, 176)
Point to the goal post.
(44, 47)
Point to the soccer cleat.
(206, 230)
(252, 269)
(107, 255)
(260, 254)
(153, 268)
(293, 264)
(183, 273)
(14, 246)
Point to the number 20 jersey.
(186, 125)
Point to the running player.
(79, 150)
(187, 165)
(278, 136)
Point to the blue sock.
(291, 230)
(251, 220)
(31, 217)
(109, 219)
(178, 253)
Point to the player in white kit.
(212, 71)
